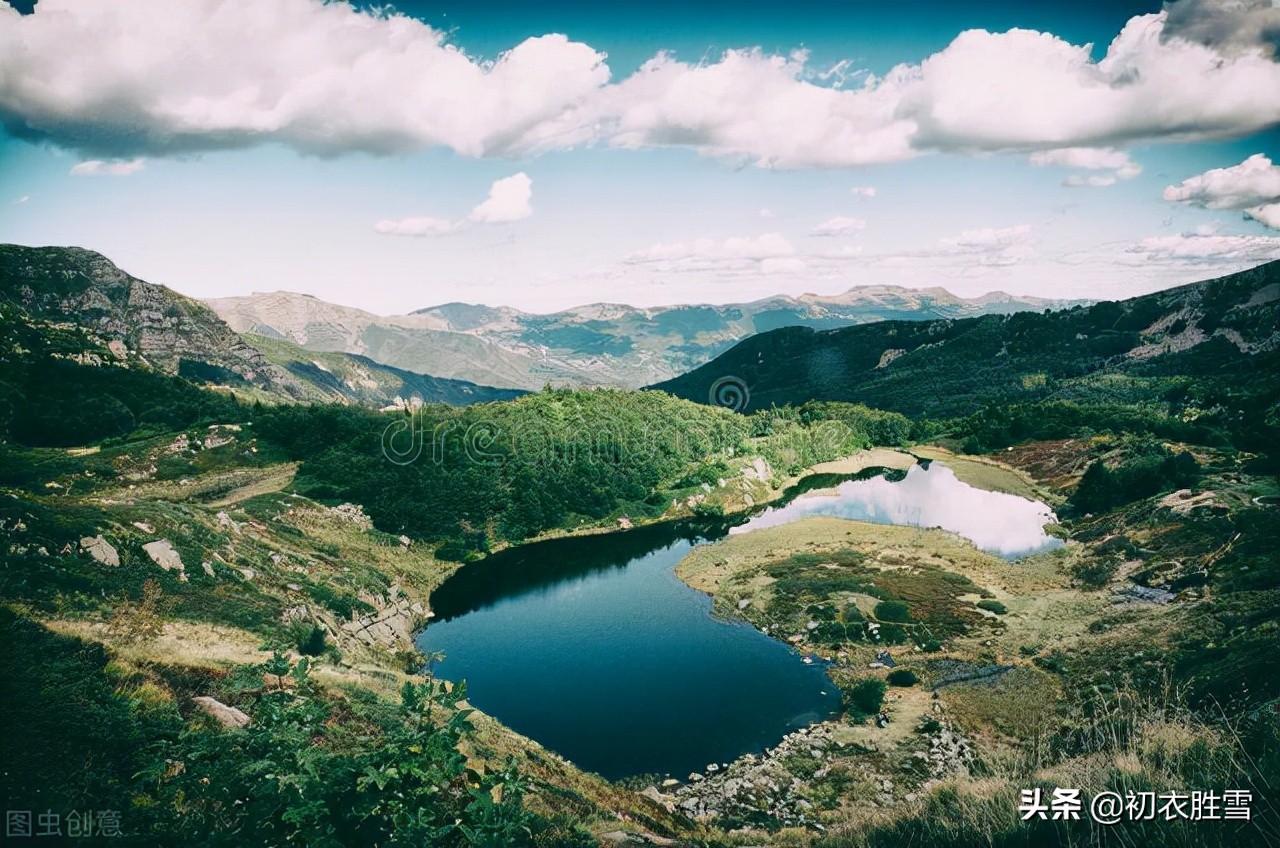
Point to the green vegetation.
(864, 698)
(902, 677)
(992, 606)
(1150, 469)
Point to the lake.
(594, 648)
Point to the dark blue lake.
(594, 648)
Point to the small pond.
(594, 648)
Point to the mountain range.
(597, 344)
(148, 325)
(1227, 329)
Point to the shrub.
(902, 677)
(992, 606)
(312, 643)
(892, 611)
(864, 698)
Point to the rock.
(694, 777)
(228, 717)
(744, 603)
(144, 527)
(670, 783)
(208, 568)
(162, 553)
(405, 541)
(624, 523)
(247, 573)
(100, 549)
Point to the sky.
(547, 155)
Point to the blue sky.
(367, 161)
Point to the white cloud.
(839, 226)
(1206, 248)
(508, 201)
(767, 253)
(169, 76)
(20, 200)
(113, 168)
(1253, 186)
(1089, 159)
(419, 226)
(863, 191)
(766, 212)
(992, 245)
(1267, 216)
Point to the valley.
(224, 599)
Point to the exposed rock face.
(391, 625)
(161, 326)
(228, 717)
(163, 554)
(100, 549)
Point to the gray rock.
(163, 554)
(100, 549)
(228, 717)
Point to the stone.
(228, 717)
(144, 526)
(744, 603)
(100, 549)
(162, 553)
(208, 568)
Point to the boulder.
(100, 549)
(228, 717)
(163, 554)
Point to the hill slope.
(599, 343)
(1225, 327)
(134, 323)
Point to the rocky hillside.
(169, 332)
(134, 323)
(1225, 329)
(600, 343)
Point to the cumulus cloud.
(839, 226)
(151, 77)
(863, 191)
(21, 200)
(1206, 249)
(170, 76)
(111, 168)
(1117, 162)
(508, 201)
(1253, 187)
(1232, 26)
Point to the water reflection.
(928, 496)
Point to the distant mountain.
(1227, 328)
(349, 377)
(149, 325)
(596, 344)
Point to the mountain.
(418, 342)
(595, 344)
(137, 323)
(1226, 329)
(163, 329)
(351, 378)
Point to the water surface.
(594, 648)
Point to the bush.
(992, 606)
(902, 677)
(312, 643)
(892, 611)
(864, 698)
